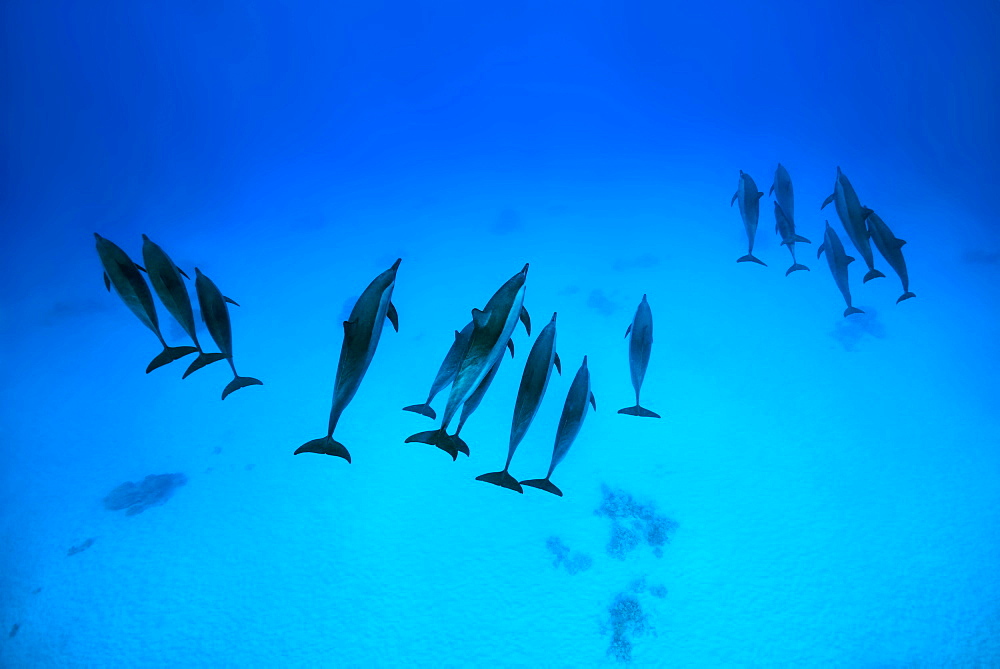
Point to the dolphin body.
(491, 332)
(122, 273)
(362, 331)
(446, 372)
(471, 404)
(534, 381)
(891, 249)
(782, 188)
(215, 313)
(570, 422)
(749, 199)
(639, 347)
(784, 226)
(838, 260)
(169, 286)
(852, 216)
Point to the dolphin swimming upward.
(838, 260)
(782, 188)
(362, 331)
(852, 216)
(169, 286)
(784, 226)
(639, 347)
(891, 249)
(446, 372)
(534, 381)
(749, 198)
(215, 313)
(491, 333)
(122, 273)
(570, 422)
(471, 404)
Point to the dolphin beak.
(98, 237)
(395, 265)
(524, 270)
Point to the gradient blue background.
(836, 483)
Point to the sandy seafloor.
(835, 485)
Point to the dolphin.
(891, 249)
(784, 226)
(169, 286)
(122, 273)
(852, 216)
(215, 313)
(749, 198)
(534, 381)
(639, 347)
(573, 413)
(838, 260)
(362, 331)
(446, 372)
(471, 404)
(491, 332)
(782, 186)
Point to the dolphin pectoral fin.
(543, 484)
(480, 318)
(593, 402)
(140, 267)
(201, 361)
(437, 438)
(759, 195)
(324, 446)
(628, 329)
(852, 310)
(820, 250)
(771, 190)
(751, 258)
(899, 243)
(168, 355)
(510, 347)
(735, 195)
(905, 296)
(873, 274)
(107, 282)
(848, 260)
(795, 268)
(422, 409)
(827, 200)
(183, 273)
(526, 320)
(393, 316)
(502, 479)
(638, 411)
(240, 382)
(231, 301)
(800, 238)
(558, 364)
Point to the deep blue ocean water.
(820, 491)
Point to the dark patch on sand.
(79, 548)
(135, 498)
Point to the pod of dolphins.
(472, 361)
(861, 224)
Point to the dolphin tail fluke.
(422, 409)
(905, 296)
(795, 268)
(751, 258)
(202, 360)
(852, 310)
(543, 484)
(324, 446)
(168, 355)
(873, 274)
(502, 479)
(240, 382)
(638, 411)
(438, 438)
(460, 444)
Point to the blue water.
(820, 491)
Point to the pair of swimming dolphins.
(123, 274)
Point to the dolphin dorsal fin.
(107, 282)
(183, 273)
(759, 196)
(510, 346)
(393, 316)
(558, 364)
(848, 260)
(593, 402)
(827, 200)
(140, 267)
(899, 243)
(480, 318)
(525, 319)
(628, 330)
(231, 301)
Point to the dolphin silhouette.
(639, 347)
(784, 226)
(891, 249)
(838, 260)
(215, 313)
(749, 198)
(852, 216)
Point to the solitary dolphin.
(169, 286)
(749, 198)
(573, 413)
(362, 331)
(782, 188)
(446, 372)
(639, 347)
(534, 381)
(891, 249)
(122, 273)
(784, 226)
(852, 216)
(838, 260)
(215, 313)
(491, 333)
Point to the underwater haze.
(819, 490)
